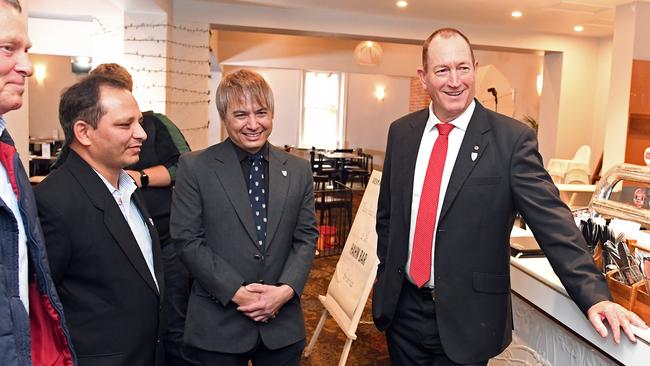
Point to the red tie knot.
(444, 128)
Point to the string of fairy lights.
(159, 56)
(184, 90)
(181, 66)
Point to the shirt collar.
(461, 122)
(3, 125)
(243, 154)
(126, 184)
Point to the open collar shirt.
(124, 198)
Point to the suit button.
(158, 340)
(400, 270)
(257, 257)
(261, 281)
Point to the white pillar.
(631, 37)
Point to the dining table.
(339, 159)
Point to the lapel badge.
(474, 156)
(284, 173)
(151, 221)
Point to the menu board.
(357, 267)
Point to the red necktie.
(428, 209)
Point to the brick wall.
(418, 97)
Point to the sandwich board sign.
(355, 272)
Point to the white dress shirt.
(124, 198)
(429, 138)
(9, 197)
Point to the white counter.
(534, 280)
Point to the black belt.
(428, 293)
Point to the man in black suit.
(454, 176)
(103, 248)
(243, 221)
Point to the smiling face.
(248, 124)
(14, 62)
(116, 141)
(450, 77)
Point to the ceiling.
(552, 16)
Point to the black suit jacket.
(472, 257)
(110, 300)
(213, 230)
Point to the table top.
(341, 155)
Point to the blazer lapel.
(228, 171)
(411, 146)
(280, 177)
(114, 220)
(474, 142)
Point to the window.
(322, 112)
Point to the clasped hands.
(617, 316)
(262, 302)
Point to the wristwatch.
(144, 179)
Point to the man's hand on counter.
(617, 316)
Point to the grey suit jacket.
(212, 228)
(472, 257)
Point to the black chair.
(360, 173)
(322, 173)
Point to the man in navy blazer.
(103, 249)
(451, 305)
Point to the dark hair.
(82, 102)
(243, 84)
(116, 71)
(443, 33)
(14, 4)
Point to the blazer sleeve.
(538, 201)
(297, 266)
(187, 229)
(55, 232)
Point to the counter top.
(534, 280)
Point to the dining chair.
(360, 173)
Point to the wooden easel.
(363, 230)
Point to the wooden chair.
(320, 171)
(360, 173)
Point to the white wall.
(620, 83)
(61, 37)
(44, 97)
(368, 119)
(601, 101)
